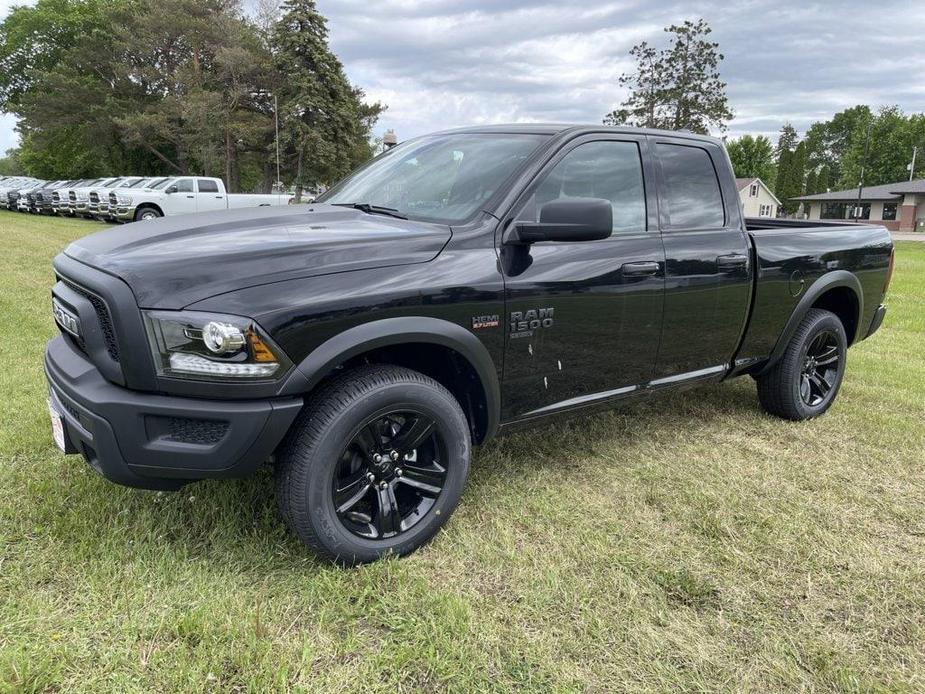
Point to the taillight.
(889, 270)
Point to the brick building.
(898, 206)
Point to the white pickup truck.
(183, 195)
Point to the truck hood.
(175, 261)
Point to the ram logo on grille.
(67, 320)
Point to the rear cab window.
(690, 194)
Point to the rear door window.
(207, 186)
(690, 191)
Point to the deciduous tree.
(752, 157)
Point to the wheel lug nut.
(383, 485)
(377, 458)
(394, 455)
(371, 477)
(398, 472)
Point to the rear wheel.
(374, 465)
(806, 380)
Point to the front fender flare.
(830, 280)
(395, 331)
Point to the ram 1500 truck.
(184, 195)
(459, 285)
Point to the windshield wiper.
(372, 209)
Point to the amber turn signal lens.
(260, 351)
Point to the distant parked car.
(10, 187)
(98, 203)
(26, 197)
(79, 196)
(184, 195)
(43, 200)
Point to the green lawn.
(690, 542)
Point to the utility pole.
(911, 167)
(279, 183)
(857, 209)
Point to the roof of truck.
(560, 128)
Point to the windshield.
(443, 178)
(160, 184)
(139, 183)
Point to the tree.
(326, 124)
(795, 178)
(892, 137)
(828, 141)
(823, 181)
(752, 157)
(10, 164)
(787, 140)
(783, 173)
(678, 87)
(811, 179)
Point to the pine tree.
(783, 174)
(811, 182)
(787, 140)
(677, 88)
(323, 119)
(823, 182)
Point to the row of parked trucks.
(127, 198)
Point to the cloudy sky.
(443, 63)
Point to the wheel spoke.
(349, 494)
(414, 432)
(821, 384)
(829, 356)
(369, 438)
(805, 388)
(388, 518)
(429, 480)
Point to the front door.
(184, 200)
(583, 319)
(708, 273)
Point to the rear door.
(184, 200)
(708, 272)
(584, 318)
(209, 195)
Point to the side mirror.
(171, 189)
(567, 219)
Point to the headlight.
(211, 346)
(123, 200)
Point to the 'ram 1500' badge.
(524, 323)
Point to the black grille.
(203, 432)
(72, 196)
(94, 197)
(113, 199)
(102, 315)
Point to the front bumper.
(155, 441)
(123, 213)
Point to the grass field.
(691, 542)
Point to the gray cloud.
(445, 63)
(441, 63)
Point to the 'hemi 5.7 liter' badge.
(67, 320)
(482, 322)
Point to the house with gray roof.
(898, 206)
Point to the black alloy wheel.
(390, 475)
(820, 368)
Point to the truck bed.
(765, 223)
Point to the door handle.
(733, 261)
(191, 197)
(642, 269)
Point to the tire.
(146, 214)
(332, 450)
(806, 380)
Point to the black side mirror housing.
(567, 219)
(171, 189)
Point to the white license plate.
(57, 426)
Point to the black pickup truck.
(460, 285)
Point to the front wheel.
(374, 465)
(146, 214)
(805, 382)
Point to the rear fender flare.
(396, 331)
(831, 280)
